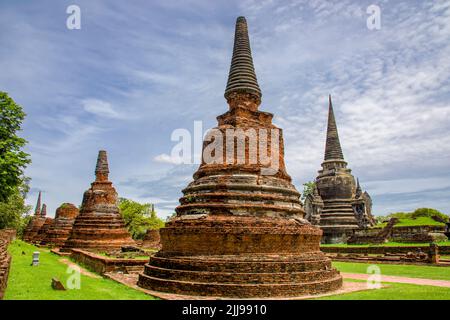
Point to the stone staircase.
(338, 214)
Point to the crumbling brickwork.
(239, 231)
(60, 229)
(99, 225)
(6, 236)
(152, 239)
(39, 219)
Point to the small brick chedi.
(43, 230)
(99, 225)
(36, 222)
(60, 229)
(337, 204)
(239, 229)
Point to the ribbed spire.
(333, 146)
(102, 169)
(44, 210)
(242, 77)
(37, 210)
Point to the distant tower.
(36, 222)
(44, 210)
(342, 207)
(37, 210)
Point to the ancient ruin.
(152, 239)
(338, 204)
(239, 229)
(60, 229)
(99, 225)
(405, 234)
(6, 236)
(43, 230)
(36, 222)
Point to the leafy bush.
(139, 217)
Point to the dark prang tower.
(239, 229)
(344, 207)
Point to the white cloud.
(101, 108)
(165, 158)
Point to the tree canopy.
(139, 217)
(14, 212)
(13, 159)
(308, 188)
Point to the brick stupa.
(43, 230)
(239, 231)
(99, 225)
(61, 227)
(338, 204)
(36, 222)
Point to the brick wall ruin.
(6, 236)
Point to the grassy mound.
(411, 222)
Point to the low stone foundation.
(240, 257)
(443, 250)
(101, 264)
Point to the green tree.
(308, 188)
(139, 217)
(12, 159)
(13, 212)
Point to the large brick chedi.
(239, 229)
(338, 204)
(60, 229)
(99, 225)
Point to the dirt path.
(82, 270)
(417, 281)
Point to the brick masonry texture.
(99, 225)
(60, 229)
(238, 232)
(6, 236)
(101, 264)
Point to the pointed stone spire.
(358, 192)
(333, 149)
(37, 210)
(102, 169)
(242, 77)
(44, 210)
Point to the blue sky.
(137, 70)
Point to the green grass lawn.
(34, 283)
(409, 222)
(437, 273)
(396, 291)
(387, 244)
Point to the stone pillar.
(433, 254)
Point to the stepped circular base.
(240, 257)
(96, 232)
